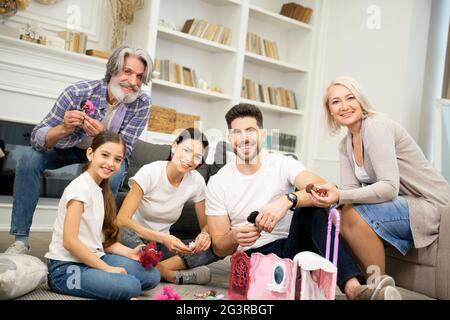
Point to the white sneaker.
(18, 247)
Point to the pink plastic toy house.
(268, 277)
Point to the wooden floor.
(220, 270)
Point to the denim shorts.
(390, 220)
(130, 239)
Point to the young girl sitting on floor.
(84, 258)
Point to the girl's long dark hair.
(110, 229)
(193, 134)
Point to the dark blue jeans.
(27, 182)
(308, 232)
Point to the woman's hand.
(177, 246)
(115, 269)
(329, 194)
(202, 242)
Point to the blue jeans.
(390, 220)
(27, 182)
(308, 232)
(77, 279)
(130, 239)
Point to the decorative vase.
(8, 8)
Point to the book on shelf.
(254, 43)
(98, 53)
(208, 31)
(263, 93)
(75, 41)
(296, 11)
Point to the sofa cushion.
(423, 256)
(144, 153)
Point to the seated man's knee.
(31, 161)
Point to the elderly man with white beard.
(81, 112)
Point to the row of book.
(171, 71)
(278, 141)
(261, 46)
(74, 41)
(263, 93)
(296, 11)
(209, 31)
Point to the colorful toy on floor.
(268, 277)
(87, 107)
(209, 295)
(167, 293)
(149, 256)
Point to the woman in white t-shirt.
(156, 198)
(84, 257)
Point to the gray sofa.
(425, 270)
(187, 226)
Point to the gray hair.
(353, 86)
(117, 60)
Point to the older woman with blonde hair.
(389, 194)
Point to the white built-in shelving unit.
(224, 66)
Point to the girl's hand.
(331, 195)
(115, 270)
(134, 254)
(202, 242)
(176, 246)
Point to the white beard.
(117, 92)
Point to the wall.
(435, 64)
(388, 62)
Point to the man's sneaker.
(18, 247)
(198, 275)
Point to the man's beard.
(250, 158)
(117, 92)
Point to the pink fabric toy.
(167, 293)
(88, 107)
(149, 256)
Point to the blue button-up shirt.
(130, 123)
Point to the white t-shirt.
(162, 203)
(361, 173)
(86, 190)
(234, 194)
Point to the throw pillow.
(20, 274)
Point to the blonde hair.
(354, 87)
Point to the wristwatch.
(292, 197)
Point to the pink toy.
(87, 107)
(149, 256)
(268, 277)
(167, 293)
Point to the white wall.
(434, 71)
(388, 62)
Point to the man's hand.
(72, 120)
(272, 213)
(92, 127)
(245, 236)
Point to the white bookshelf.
(224, 66)
(187, 90)
(192, 41)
